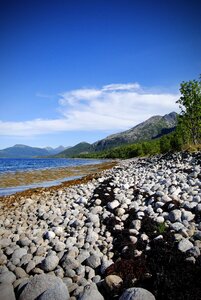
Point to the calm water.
(31, 164)
(9, 166)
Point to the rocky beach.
(129, 232)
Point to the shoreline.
(136, 225)
(86, 173)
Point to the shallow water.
(21, 174)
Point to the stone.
(177, 226)
(59, 246)
(20, 273)
(18, 253)
(198, 235)
(55, 293)
(46, 285)
(91, 292)
(185, 245)
(136, 224)
(58, 230)
(68, 262)
(84, 254)
(50, 263)
(31, 265)
(7, 291)
(175, 215)
(49, 235)
(113, 283)
(7, 277)
(187, 215)
(5, 242)
(137, 294)
(114, 204)
(93, 261)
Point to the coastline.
(134, 225)
(73, 176)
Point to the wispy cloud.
(112, 107)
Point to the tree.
(190, 105)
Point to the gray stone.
(31, 265)
(20, 273)
(185, 245)
(18, 253)
(91, 293)
(50, 263)
(7, 277)
(56, 293)
(46, 285)
(5, 242)
(6, 291)
(93, 261)
(84, 254)
(137, 294)
(68, 262)
(187, 215)
(177, 226)
(175, 215)
(59, 246)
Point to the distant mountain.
(54, 151)
(80, 148)
(22, 151)
(154, 127)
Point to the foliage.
(190, 104)
(170, 142)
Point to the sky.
(79, 70)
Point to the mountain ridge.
(151, 128)
(147, 130)
(24, 151)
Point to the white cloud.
(113, 107)
(121, 87)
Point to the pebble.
(50, 263)
(185, 245)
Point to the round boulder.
(137, 294)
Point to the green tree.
(190, 105)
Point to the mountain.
(54, 151)
(22, 151)
(154, 127)
(80, 148)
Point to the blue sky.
(79, 70)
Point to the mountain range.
(152, 128)
(23, 151)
